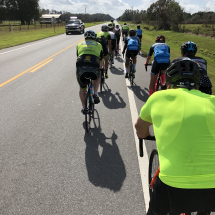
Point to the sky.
(115, 8)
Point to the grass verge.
(206, 46)
(9, 39)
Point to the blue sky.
(116, 7)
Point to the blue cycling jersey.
(162, 52)
(139, 32)
(132, 42)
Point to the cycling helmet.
(160, 37)
(125, 24)
(111, 20)
(89, 34)
(189, 48)
(104, 28)
(117, 26)
(132, 32)
(184, 73)
(138, 26)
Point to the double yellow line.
(38, 66)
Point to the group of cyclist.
(183, 117)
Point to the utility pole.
(85, 10)
(132, 13)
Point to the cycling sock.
(126, 70)
(163, 79)
(151, 92)
(134, 67)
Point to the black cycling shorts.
(130, 53)
(117, 39)
(140, 36)
(88, 72)
(166, 199)
(113, 44)
(156, 67)
(125, 32)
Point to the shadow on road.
(141, 94)
(112, 101)
(104, 163)
(116, 71)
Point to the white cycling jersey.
(113, 36)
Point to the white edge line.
(144, 161)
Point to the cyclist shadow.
(141, 94)
(119, 59)
(112, 101)
(104, 163)
(116, 71)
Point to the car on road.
(75, 26)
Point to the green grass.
(206, 46)
(9, 39)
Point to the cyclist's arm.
(142, 128)
(109, 44)
(149, 55)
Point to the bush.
(146, 28)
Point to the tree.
(167, 13)
(23, 10)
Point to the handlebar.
(146, 65)
(141, 143)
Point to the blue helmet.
(89, 34)
(189, 48)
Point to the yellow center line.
(41, 65)
(17, 76)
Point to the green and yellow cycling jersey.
(111, 23)
(89, 53)
(125, 27)
(184, 127)
(106, 35)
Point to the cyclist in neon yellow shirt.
(183, 119)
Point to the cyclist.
(104, 38)
(111, 23)
(117, 32)
(139, 33)
(113, 42)
(161, 60)
(125, 30)
(132, 45)
(88, 64)
(189, 49)
(183, 119)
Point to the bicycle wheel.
(102, 81)
(90, 107)
(153, 166)
(131, 77)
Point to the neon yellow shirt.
(184, 127)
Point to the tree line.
(26, 10)
(166, 14)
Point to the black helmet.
(138, 26)
(111, 20)
(132, 32)
(104, 28)
(184, 73)
(125, 24)
(189, 48)
(110, 28)
(117, 26)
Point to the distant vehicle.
(75, 25)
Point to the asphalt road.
(48, 164)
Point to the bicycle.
(89, 104)
(158, 84)
(131, 70)
(110, 59)
(102, 79)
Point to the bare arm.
(142, 128)
(148, 59)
